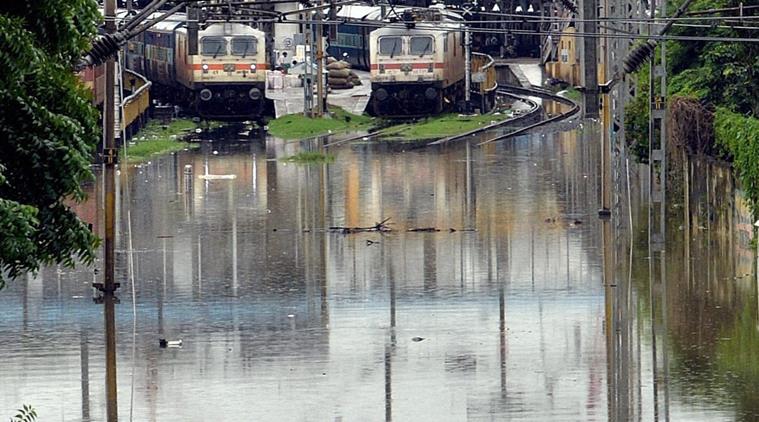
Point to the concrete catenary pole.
(110, 155)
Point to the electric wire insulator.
(569, 5)
(636, 58)
(103, 48)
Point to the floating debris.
(163, 343)
(217, 176)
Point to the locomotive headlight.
(206, 94)
(254, 94)
(253, 68)
(381, 94)
(204, 67)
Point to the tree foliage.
(48, 129)
(25, 414)
(716, 73)
(738, 135)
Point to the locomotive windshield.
(421, 45)
(244, 46)
(213, 46)
(390, 46)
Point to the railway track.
(520, 94)
(517, 93)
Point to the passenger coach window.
(421, 46)
(213, 46)
(244, 46)
(390, 46)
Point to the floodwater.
(506, 317)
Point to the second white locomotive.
(417, 65)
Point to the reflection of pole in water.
(469, 206)
(188, 197)
(658, 285)
(390, 346)
(532, 256)
(233, 206)
(84, 356)
(109, 300)
(388, 383)
(502, 335)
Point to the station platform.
(526, 70)
(289, 99)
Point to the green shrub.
(738, 136)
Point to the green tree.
(717, 72)
(48, 130)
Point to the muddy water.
(505, 317)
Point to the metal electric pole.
(590, 57)
(308, 88)
(468, 67)
(319, 63)
(110, 157)
(192, 29)
(657, 216)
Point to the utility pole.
(657, 215)
(308, 90)
(320, 62)
(192, 29)
(468, 68)
(590, 57)
(110, 157)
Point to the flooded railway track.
(516, 93)
(521, 94)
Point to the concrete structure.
(289, 98)
(285, 34)
(567, 67)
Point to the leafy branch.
(25, 414)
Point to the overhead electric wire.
(143, 14)
(423, 25)
(154, 21)
(724, 9)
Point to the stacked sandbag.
(353, 79)
(339, 74)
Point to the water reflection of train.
(225, 80)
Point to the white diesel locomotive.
(417, 65)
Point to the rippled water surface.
(502, 314)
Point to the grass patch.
(572, 93)
(445, 125)
(308, 157)
(297, 126)
(156, 139)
